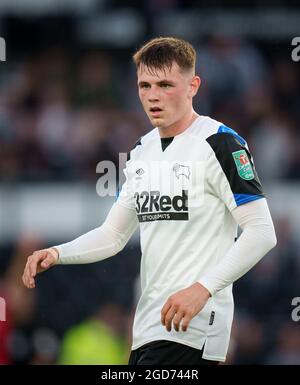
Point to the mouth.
(155, 111)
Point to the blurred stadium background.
(68, 100)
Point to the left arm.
(258, 237)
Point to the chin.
(157, 122)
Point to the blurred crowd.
(60, 114)
(59, 117)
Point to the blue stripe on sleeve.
(241, 199)
(228, 130)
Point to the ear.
(194, 85)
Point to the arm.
(257, 238)
(96, 245)
(102, 242)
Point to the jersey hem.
(136, 346)
(205, 356)
(213, 358)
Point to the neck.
(178, 127)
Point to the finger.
(38, 260)
(169, 318)
(47, 262)
(24, 275)
(30, 271)
(164, 311)
(185, 323)
(177, 319)
(31, 281)
(32, 264)
(27, 274)
(24, 279)
(28, 281)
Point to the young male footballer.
(189, 183)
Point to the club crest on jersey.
(243, 165)
(179, 169)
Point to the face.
(166, 95)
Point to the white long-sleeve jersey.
(188, 193)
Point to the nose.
(153, 95)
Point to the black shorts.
(167, 353)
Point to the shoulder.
(213, 131)
(204, 127)
(226, 144)
(226, 137)
(217, 133)
(143, 142)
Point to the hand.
(183, 306)
(39, 261)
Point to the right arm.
(96, 245)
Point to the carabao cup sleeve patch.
(243, 164)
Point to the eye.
(144, 86)
(166, 85)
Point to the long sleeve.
(102, 242)
(257, 238)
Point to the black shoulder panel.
(237, 164)
(137, 143)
